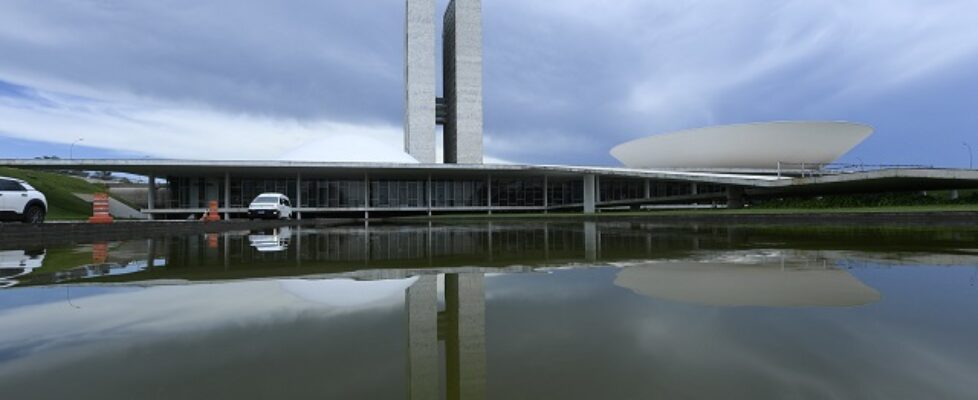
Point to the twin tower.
(460, 108)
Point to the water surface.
(500, 311)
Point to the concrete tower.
(463, 82)
(460, 111)
(419, 78)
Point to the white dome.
(348, 148)
(759, 145)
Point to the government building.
(725, 166)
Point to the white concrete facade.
(745, 146)
(463, 82)
(462, 73)
(419, 80)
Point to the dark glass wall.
(561, 192)
(444, 193)
(458, 193)
(527, 192)
(621, 189)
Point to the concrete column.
(489, 193)
(590, 241)
(421, 304)
(489, 240)
(428, 251)
(546, 242)
(589, 192)
(648, 189)
(546, 200)
(955, 195)
(428, 189)
(227, 196)
(298, 246)
(735, 197)
(366, 196)
(151, 196)
(694, 188)
(298, 196)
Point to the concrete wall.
(139, 195)
(419, 74)
(463, 82)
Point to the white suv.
(20, 201)
(270, 205)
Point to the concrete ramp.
(117, 208)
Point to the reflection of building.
(461, 326)
(747, 284)
(390, 252)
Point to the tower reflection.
(461, 326)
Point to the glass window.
(7, 185)
(266, 200)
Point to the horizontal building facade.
(328, 189)
(437, 193)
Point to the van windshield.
(265, 200)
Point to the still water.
(577, 310)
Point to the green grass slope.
(59, 190)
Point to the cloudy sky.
(252, 80)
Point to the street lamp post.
(71, 149)
(971, 157)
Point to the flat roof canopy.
(199, 168)
(895, 179)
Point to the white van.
(270, 205)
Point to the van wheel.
(34, 215)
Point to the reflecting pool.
(562, 310)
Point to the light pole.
(971, 157)
(71, 149)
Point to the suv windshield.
(265, 200)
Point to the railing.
(806, 170)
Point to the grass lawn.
(59, 190)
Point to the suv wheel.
(34, 215)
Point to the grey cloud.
(302, 59)
(579, 75)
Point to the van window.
(266, 200)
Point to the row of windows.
(622, 189)
(389, 193)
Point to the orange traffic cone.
(100, 209)
(212, 214)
